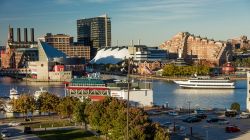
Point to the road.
(17, 133)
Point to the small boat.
(39, 92)
(207, 83)
(14, 94)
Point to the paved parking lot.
(210, 131)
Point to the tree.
(109, 116)
(24, 104)
(2, 105)
(47, 102)
(79, 114)
(66, 106)
(235, 106)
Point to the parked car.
(27, 130)
(223, 121)
(14, 124)
(231, 113)
(201, 116)
(186, 119)
(243, 116)
(193, 119)
(5, 133)
(211, 120)
(232, 128)
(172, 113)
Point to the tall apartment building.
(195, 48)
(94, 32)
(65, 44)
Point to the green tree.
(79, 114)
(235, 106)
(109, 116)
(47, 102)
(2, 105)
(24, 104)
(66, 106)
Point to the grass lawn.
(75, 134)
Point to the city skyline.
(151, 22)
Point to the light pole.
(128, 77)
(189, 102)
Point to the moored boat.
(207, 83)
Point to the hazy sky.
(151, 21)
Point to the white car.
(5, 133)
(172, 113)
(243, 116)
(14, 124)
(223, 121)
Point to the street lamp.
(128, 77)
(189, 102)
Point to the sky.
(150, 21)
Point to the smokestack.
(25, 35)
(11, 35)
(132, 43)
(18, 35)
(32, 35)
(139, 42)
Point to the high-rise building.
(65, 44)
(94, 32)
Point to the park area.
(73, 134)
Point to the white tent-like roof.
(110, 55)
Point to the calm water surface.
(163, 92)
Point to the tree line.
(173, 70)
(107, 116)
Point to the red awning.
(96, 97)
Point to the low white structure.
(248, 92)
(111, 55)
(39, 92)
(137, 97)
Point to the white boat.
(39, 92)
(206, 83)
(14, 94)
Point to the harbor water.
(164, 92)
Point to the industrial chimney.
(11, 35)
(25, 35)
(18, 35)
(32, 35)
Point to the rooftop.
(87, 81)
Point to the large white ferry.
(206, 83)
